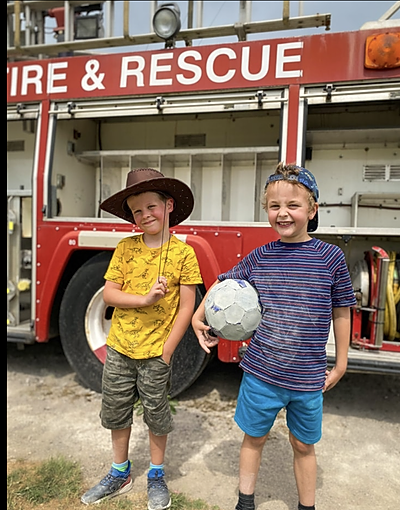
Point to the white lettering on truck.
(32, 75)
(185, 66)
(92, 80)
(155, 69)
(282, 59)
(211, 61)
(264, 64)
(30, 78)
(52, 77)
(127, 71)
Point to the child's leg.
(305, 470)
(157, 489)
(257, 406)
(304, 420)
(157, 448)
(120, 444)
(118, 480)
(249, 464)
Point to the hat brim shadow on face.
(174, 188)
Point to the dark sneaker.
(157, 491)
(113, 484)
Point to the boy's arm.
(113, 295)
(200, 329)
(341, 329)
(186, 307)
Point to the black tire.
(189, 359)
(84, 322)
(76, 338)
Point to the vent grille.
(190, 140)
(15, 145)
(381, 173)
(394, 173)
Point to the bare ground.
(50, 413)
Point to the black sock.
(303, 507)
(246, 502)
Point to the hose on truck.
(392, 299)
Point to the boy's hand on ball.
(204, 335)
(210, 339)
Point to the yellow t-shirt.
(140, 333)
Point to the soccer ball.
(233, 310)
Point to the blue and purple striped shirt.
(298, 285)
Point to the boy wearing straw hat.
(151, 283)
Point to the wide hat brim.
(176, 189)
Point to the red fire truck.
(219, 117)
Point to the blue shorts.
(259, 403)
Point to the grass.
(57, 484)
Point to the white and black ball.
(233, 309)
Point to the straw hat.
(141, 180)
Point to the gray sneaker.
(113, 484)
(157, 491)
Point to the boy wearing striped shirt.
(304, 285)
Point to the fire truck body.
(220, 118)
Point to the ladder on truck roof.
(28, 21)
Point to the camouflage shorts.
(125, 380)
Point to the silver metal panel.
(104, 239)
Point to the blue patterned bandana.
(306, 178)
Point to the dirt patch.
(50, 413)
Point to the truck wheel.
(85, 321)
(189, 359)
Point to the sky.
(345, 15)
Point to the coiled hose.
(392, 299)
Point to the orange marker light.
(382, 51)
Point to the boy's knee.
(299, 446)
(254, 442)
(160, 424)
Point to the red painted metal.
(217, 249)
(291, 61)
(356, 327)
(293, 124)
(363, 335)
(38, 190)
(322, 58)
(391, 346)
(380, 254)
(53, 256)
